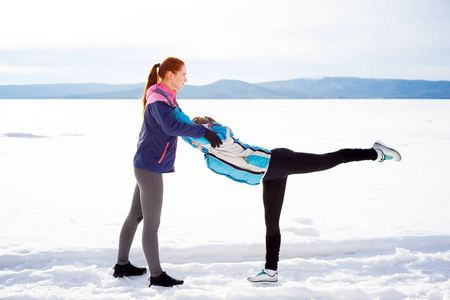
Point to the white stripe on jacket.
(234, 159)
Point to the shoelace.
(261, 273)
(386, 157)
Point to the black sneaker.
(165, 280)
(128, 270)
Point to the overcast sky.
(111, 41)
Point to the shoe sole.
(262, 281)
(127, 275)
(151, 285)
(269, 282)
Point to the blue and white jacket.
(234, 159)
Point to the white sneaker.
(386, 153)
(264, 276)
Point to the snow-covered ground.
(364, 230)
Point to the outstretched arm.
(210, 137)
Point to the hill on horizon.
(323, 88)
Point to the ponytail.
(171, 64)
(153, 78)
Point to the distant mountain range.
(323, 88)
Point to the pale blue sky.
(49, 41)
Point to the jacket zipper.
(164, 154)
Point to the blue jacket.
(234, 159)
(158, 137)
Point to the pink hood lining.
(152, 96)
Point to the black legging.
(285, 162)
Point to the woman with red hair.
(155, 155)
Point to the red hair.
(159, 71)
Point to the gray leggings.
(147, 205)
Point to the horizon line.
(224, 79)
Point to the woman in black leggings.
(285, 162)
(250, 164)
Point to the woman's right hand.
(212, 138)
